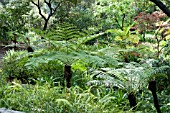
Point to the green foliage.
(14, 65)
(108, 61)
(42, 63)
(81, 16)
(18, 65)
(124, 37)
(114, 13)
(64, 32)
(45, 99)
(14, 17)
(131, 76)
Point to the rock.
(4, 110)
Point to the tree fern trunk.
(152, 88)
(67, 75)
(29, 49)
(132, 101)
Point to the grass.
(47, 99)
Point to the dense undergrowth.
(101, 81)
(82, 62)
(47, 99)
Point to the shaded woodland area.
(85, 56)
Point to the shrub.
(28, 67)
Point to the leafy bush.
(47, 99)
(50, 64)
(44, 99)
(26, 66)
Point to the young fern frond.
(64, 32)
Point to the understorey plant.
(157, 70)
(132, 78)
(129, 79)
(68, 40)
(13, 66)
(65, 41)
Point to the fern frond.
(131, 77)
(83, 40)
(65, 32)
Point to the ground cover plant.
(89, 56)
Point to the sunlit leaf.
(118, 38)
(163, 43)
(133, 38)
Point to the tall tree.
(52, 7)
(162, 7)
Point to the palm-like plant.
(132, 77)
(63, 53)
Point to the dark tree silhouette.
(152, 88)
(162, 7)
(52, 10)
(67, 75)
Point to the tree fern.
(131, 77)
(64, 32)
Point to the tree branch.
(39, 9)
(50, 7)
(52, 10)
(162, 7)
(58, 5)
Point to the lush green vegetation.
(88, 56)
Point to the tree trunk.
(152, 88)
(67, 75)
(46, 23)
(162, 7)
(132, 101)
